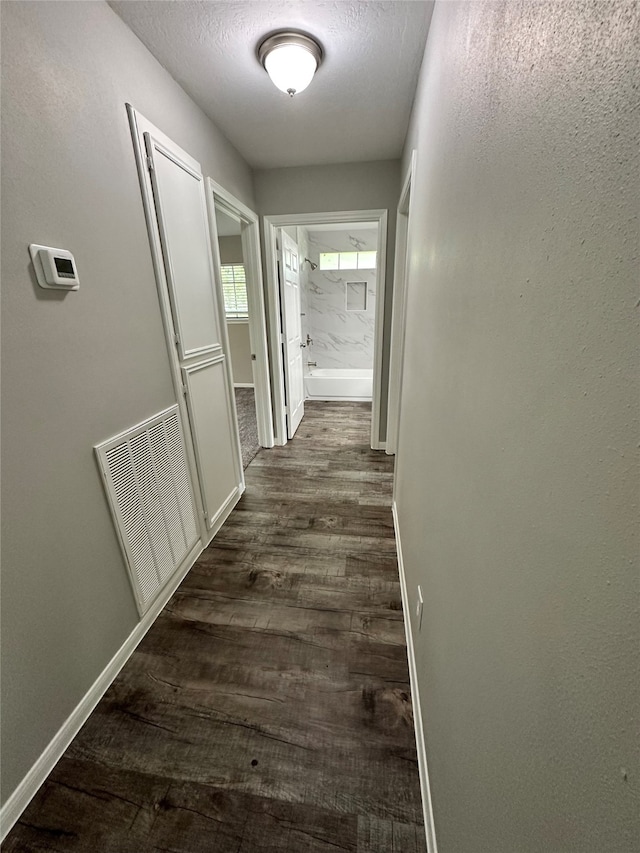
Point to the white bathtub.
(336, 384)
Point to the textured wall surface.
(230, 250)
(240, 352)
(517, 467)
(77, 367)
(347, 186)
(239, 341)
(341, 338)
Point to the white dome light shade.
(290, 60)
(291, 68)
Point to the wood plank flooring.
(268, 708)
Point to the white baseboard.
(326, 398)
(29, 786)
(425, 788)
(243, 385)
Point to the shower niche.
(356, 295)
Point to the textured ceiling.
(357, 107)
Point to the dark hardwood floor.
(268, 708)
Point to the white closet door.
(213, 433)
(180, 207)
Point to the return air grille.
(146, 478)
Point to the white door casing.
(398, 317)
(289, 260)
(173, 190)
(271, 228)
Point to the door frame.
(270, 225)
(399, 309)
(139, 125)
(218, 196)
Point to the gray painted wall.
(346, 186)
(240, 352)
(239, 339)
(517, 486)
(230, 250)
(77, 367)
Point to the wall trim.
(425, 787)
(399, 308)
(35, 778)
(243, 385)
(327, 398)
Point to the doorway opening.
(238, 269)
(325, 285)
(234, 290)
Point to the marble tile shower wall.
(341, 338)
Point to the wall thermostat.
(55, 268)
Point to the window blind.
(234, 288)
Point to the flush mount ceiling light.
(290, 59)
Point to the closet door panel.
(213, 434)
(181, 207)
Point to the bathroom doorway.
(342, 274)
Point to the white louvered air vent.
(146, 479)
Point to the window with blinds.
(234, 287)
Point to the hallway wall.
(517, 488)
(77, 367)
(237, 330)
(345, 186)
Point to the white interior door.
(180, 208)
(291, 332)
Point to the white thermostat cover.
(55, 268)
